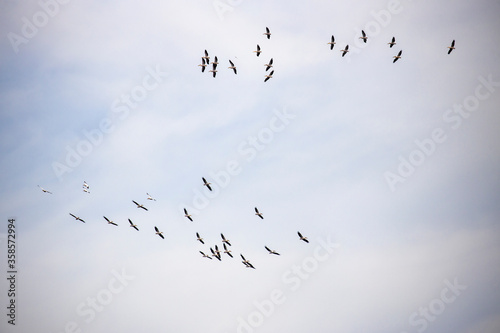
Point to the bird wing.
(135, 203)
(300, 235)
(231, 63)
(267, 249)
(258, 47)
(156, 229)
(185, 211)
(206, 53)
(393, 39)
(106, 218)
(271, 61)
(453, 43)
(73, 215)
(161, 236)
(130, 222)
(207, 184)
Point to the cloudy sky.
(391, 170)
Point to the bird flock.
(215, 252)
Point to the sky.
(390, 169)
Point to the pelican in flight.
(159, 233)
(226, 251)
(302, 237)
(332, 43)
(363, 37)
(133, 225)
(86, 190)
(267, 33)
(139, 205)
(392, 42)
(246, 262)
(207, 184)
(258, 52)
(345, 50)
(203, 64)
(232, 67)
(198, 238)
(215, 62)
(452, 47)
(269, 76)
(77, 218)
(259, 214)
(44, 190)
(224, 240)
(109, 221)
(271, 251)
(396, 57)
(150, 197)
(187, 215)
(269, 65)
(205, 255)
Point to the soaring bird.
(216, 253)
(202, 65)
(205, 255)
(452, 47)
(269, 65)
(258, 52)
(86, 190)
(396, 57)
(302, 237)
(109, 221)
(215, 62)
(259, 214)
(363, 37)
(226, 251)
(271, 251)
(198, 238)
(332, 43)
(246, 262)
(392, 42)
(133, 225)
(44, 190)
(267, 33)
(224, 240)
(232, 67)
(77, 218)
(207, 184)
(150, 197)
(269, 76)
(139, 205)
(159, 233)
(206, 57)
(345, 50)
(85, 185)
(187, 215)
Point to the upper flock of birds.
(215, 251)
(205, 60)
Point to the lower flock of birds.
(215, 251)
(205, 60)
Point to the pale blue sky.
(324, 170)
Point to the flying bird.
(224, 240)
(302, 237)
(259, 214)
(216, 253)
(44, 190)
(232, 67)
(258, 52)
(203, 64)
(269, 65)
(246, 262)
(85, 185)
(159, 233)
(452, 47)
(271, 251)
(364, 38)
(215, 62)
(392, 42)
(226, 251)
(345, 50)
(267, 33)
(269, 76)
(198, 238)
(332, 43)
(139, 205)
(205, 255)
(77, 218)
(187, 215)
(133, 225)
(109, 221)
(213, 71)
(150, 197)
(396, 57)
(207, 184)
(86, 190)
(206, 57)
